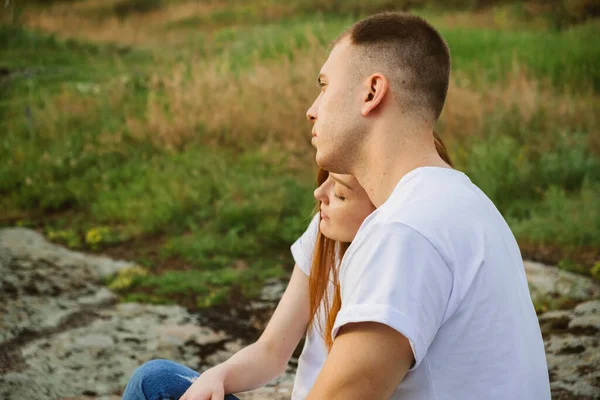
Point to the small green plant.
(24, 223)
(100, 236)
(144, 298)
(127, 277)
(546, 303)
(68, 237)
(572, 266)
(214, 297)
(595, 271)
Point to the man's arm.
(367, 361)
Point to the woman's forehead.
(345, 179)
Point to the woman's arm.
(266, 359)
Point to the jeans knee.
(156, 367)
(145, 376)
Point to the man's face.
(338, 128)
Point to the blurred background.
(172, 133)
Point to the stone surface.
(273, 290)
(63, 335)
(281, 389)
(572, 342)
(547, 281)
(105, 353)
(42, 285)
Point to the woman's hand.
(208, 386)
(264, 360)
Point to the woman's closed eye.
(339, 197)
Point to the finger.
(187, 395)
(218, 395)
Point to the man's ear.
(377, 86)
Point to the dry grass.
(264, 105)
(84, 20)
(267, 104)
(520, 97)
(74, 21)
(496, 18)
(200, 101)
(206, 102)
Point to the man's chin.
(328, 163)
(322, 160)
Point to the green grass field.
(173, 133)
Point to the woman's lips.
(323, 215)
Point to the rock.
(555, 321)
(105, 353)
(546, 281)
(273, 290)
(44, 284)
(573, 351)
(223, 355)
(33, 314)
(280, 389)
(588, 308)
(93, 340)
(588, 324)
(58, 322)
(33, 251)
(182, 334)
(101, 297)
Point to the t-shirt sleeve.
(395, 276)
(302, 249)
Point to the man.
(435, 302)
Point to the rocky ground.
(64, 336)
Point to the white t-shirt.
(438, 263)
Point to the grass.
(565, 58)
(175, 136)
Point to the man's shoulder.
(442, 212)
(436, 198)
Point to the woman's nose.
(320, 195)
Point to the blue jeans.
(161, 380)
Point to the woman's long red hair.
(325, 267)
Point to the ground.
(59, 321)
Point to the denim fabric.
(161, 380)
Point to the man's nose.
(311, 114)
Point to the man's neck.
(386, 162)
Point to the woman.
(343, 205)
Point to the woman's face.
(344, 207)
